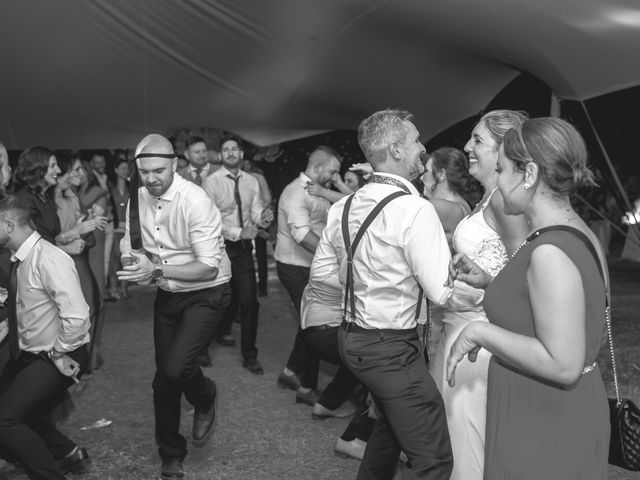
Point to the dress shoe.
(76, 461)
(320, 412)
(204, 360)
(310, 397)
(288, 381)
(253, 365)
(350, 449)
(226, 340)
(355, 449)
(171, 469)
(203, 419)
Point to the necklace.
(537, 233)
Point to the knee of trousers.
(178, 372)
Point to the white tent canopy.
(103, 73)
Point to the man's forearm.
(193, 271)
(310, 242)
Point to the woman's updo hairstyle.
(454, 163)
(499, 122)
(556, 147)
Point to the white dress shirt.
(298, 214)
(220, 186)
(265, 192)
(180, 227)
(323, 294)
(50, 306)
(403, 247)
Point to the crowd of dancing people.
(455, 292)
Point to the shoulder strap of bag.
(592, 249)
(351, 247)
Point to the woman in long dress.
(93, 201)
(76, 238)
(547, 412)
(120, 195)
(487, 236)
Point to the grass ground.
(260, 434)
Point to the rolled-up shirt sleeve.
(205, 232)
(299, 215)
(62, 283)
(325, 267)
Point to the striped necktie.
(237, 198)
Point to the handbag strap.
(349, 297)
(607, 310)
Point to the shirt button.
(158, 228)
(164, 261)
(159, 207)
(160, 246)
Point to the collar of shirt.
(224, 172)
(26, 247)
(203, 171)
(404, 181)
(304, 178)
(171, 192)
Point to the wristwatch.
(157, 272)
(53, 354)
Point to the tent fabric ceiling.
(103, 73)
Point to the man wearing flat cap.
(173, 237)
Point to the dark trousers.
(30, 387)
(301, 360)
(244, 296)
(184, 324)
(412, 416)
(360, 427)
(323, 341)
(261, 258)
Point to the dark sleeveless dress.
(535, 429)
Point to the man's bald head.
(154, 143)
(156, 162)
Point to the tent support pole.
(555, 108)
(614, 174)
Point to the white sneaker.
(320, 412)
(350, 449)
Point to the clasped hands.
(462, 268)
(92, 224)
(251, 231)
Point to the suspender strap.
(349, 296)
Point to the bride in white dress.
(488, 236)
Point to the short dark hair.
(10, 202)
(192, 140)
(228, 138)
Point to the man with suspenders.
(390, 248)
